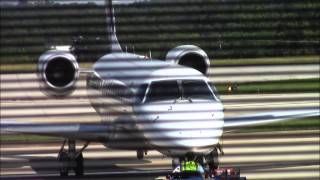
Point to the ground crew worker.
(189, 166)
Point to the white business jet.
(144, 104)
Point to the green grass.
(267, 61)
(284, 86)
(5, 68)
(26, 138)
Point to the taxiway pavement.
(264, 155)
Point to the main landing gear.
(71, 159)
(141, 153)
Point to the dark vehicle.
(227, 174)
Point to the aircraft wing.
(269, 117)
(72, 131)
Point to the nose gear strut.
(219, 146)
(71, 159)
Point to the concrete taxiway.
(263, 155)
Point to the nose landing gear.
(212, 160)
(71, 159)
(209, 162)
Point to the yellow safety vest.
(189, 166)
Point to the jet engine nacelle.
(58, 72)
(191, 56)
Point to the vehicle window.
(196, 89)
(163, 90)
(141, 92)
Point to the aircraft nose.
(187, 132)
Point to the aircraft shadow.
(47, 167)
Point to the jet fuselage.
(155, 105)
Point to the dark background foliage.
(223, 28)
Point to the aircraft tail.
(111, 27)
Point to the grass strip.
(16, 68)
(267, 61)
(11, 68)
(284, 86)
(26, 138)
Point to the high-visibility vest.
(189, 166)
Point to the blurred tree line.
(223, 28)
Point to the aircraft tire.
(79, 165)
(140, 154)
(63, 159)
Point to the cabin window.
(163, 91)
(196, 89)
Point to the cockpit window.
(163, 90)
(196, 89)
(215, 91)
(178, 89)
(141, 92)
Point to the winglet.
(111, 27)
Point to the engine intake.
(58, 72)
(191, 56)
